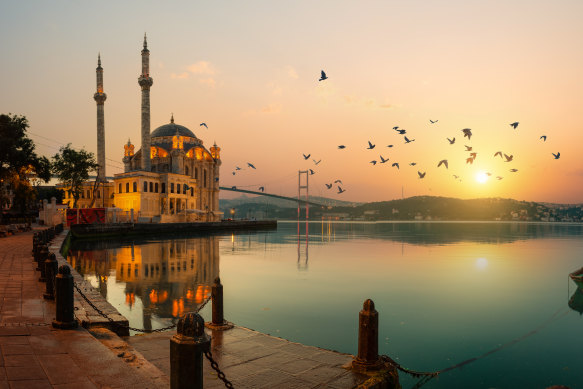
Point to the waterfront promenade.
(34, 355)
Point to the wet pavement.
(251, 359)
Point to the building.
(172, 178)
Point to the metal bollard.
(51, 268)
(42, 256)
(218, 323)
(65, 300)
(368, 339)
(186, 352)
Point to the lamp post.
(233, 213)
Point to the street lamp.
(233, 213)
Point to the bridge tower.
(307, 191)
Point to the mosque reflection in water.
(168, 277)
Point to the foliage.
(19, 164)
(72, 167)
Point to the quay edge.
(88, 231)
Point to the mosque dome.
(170, 129)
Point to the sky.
(250, 71)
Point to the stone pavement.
(34, 355)
(251, 359)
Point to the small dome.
(170, 129)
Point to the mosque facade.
(173, 177)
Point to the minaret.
(145, 82)
(100, 97)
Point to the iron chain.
(216, 368)
(101, 313)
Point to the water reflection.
(576, 301)
(167, 277)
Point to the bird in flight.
(323, 76)
(383, 160)
(473, 155)
(316, 162)
(557, 156)
(401, 132)
(513, 170)
(306, 156)
(456, 177)
(251, 165)
(467, 132)
(407, 140)
(488, 174)
(395, 128)
(470, 160)
(261, 188)
(508, 157)
(373, 162)
(370, 146)
(341, 147)
(340, 190)
(396, 164)
(499, 177)
(329, 186)
(468, 148)
(233, 173)
(433, 121)
(389, 145)
(421, 175)
(413, 164)
(338, 182)
(544, 138)
(498, 153)
(443, 162)
(312, 172)
(204, 124)
(515, 124)
(451, 141)
(237, 168)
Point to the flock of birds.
(467, 133)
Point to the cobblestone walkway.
(34, 355)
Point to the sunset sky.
(250, 71)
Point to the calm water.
(445, 292)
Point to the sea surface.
(446, 292)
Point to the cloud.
(388, 106)
(210, 82)
(291, 72)
(179, 76)
(275, 89)
(271, 108)
(202, 67)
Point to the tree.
(72, 167)
(19, 164)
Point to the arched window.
(145, 186)
(119, 188)
(185, 189)
(98, 194)
(127, 187)
(135, 188)
(191, 191)
(178, 188)
(156, 187)
(163, 188)
(151, 186)
(171, 187)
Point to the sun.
(481, 177)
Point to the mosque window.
(145, 186)
(172, 187)
(82, 194)
(185, 189)
(135, 187)
(186, 170)
(163, 188)
(156, 187)
(127, 187)
(151, 186)
(191, 191)
(98, 194)
(178, 188)
(204, 178)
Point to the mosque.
(172, 178)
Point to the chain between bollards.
(215, 367)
